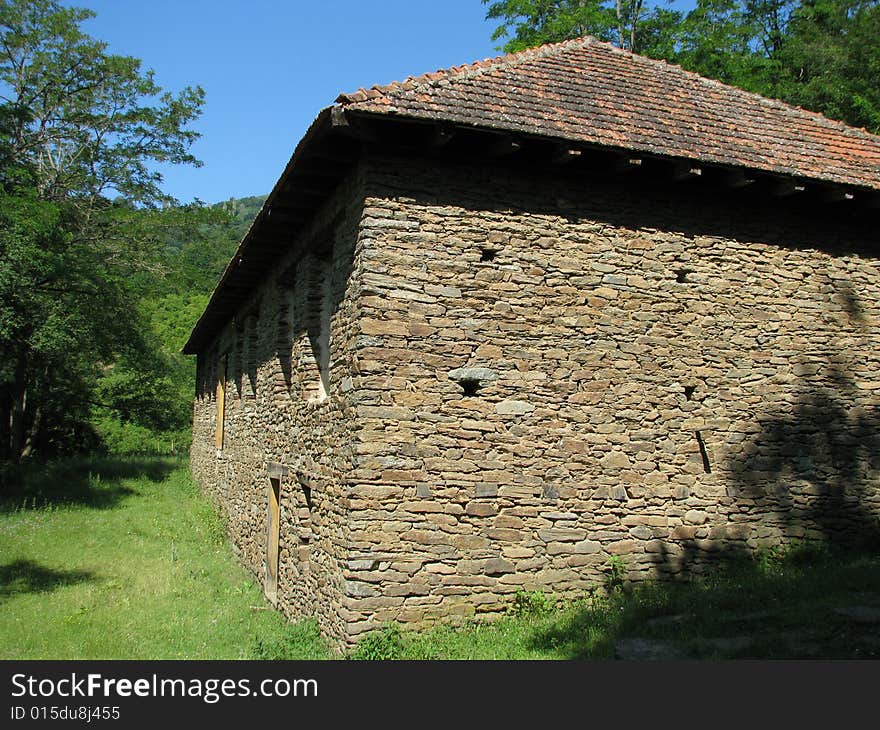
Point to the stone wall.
(276, 412)
(530, 375)
(555, 372)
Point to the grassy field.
(125, 559)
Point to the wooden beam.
(624, 164)
(287, 278)
(684, 171)
(277, 470)
(300, 189)
(503, 146)
(329, 169)
(339, 119)
(341, 152)
(737, 179)
(281, 215)
(836, 194)
(563, 155)
(351, 125)
(786, 188)
(440, 136)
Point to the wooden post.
(221, 399)
(273, 524)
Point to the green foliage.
(530, 603)
(144, 405)
(628, 23)
(102, 275)
(121, 437)
(123, 558)
(78, 122)
(615, 575)
(718, 39)
(831, 60)
(301, 640)
(80, 229)
(787, 603)
(387, 643)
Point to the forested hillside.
(171, 301)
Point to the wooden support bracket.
(276, 470)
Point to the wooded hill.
(170, 304)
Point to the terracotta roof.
(585, 90)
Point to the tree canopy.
(82, 220)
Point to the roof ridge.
(469, 70)
(465, 70)
(767, 100)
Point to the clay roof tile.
(585, 90)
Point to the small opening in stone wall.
(487, 254)
(469, 386)
(689, 391)
(704, 455)
(306, 515)
(681, 276)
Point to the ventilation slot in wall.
(471, 380)
(306, 514)
(681, 275)
(704, 455)
(487, 254)
(469, 386)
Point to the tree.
(719, 39)
(627, 23)
(831, 60)
(80, 133)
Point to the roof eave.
(317, 129)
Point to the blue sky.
(268, 67)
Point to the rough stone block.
(513, 408)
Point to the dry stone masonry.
(478, 382)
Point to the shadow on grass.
(809, 603)
(25, 576)
(94, 483)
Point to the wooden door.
(221, 401)
(273, 524)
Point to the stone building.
(498, 324)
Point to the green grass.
(124, 559)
